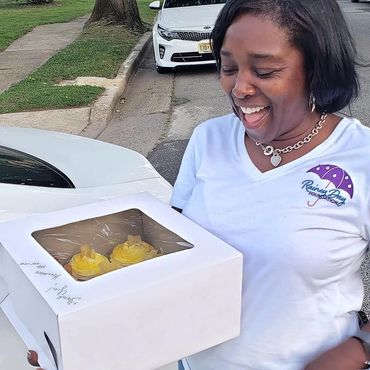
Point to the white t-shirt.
(303, 229)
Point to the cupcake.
(132, 251)
(87, 264)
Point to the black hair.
(318, 29)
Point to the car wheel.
(162, 69)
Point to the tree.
(122, 12)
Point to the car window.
(180, 3)
(23, 169)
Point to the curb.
(85, 121)
(102, 110)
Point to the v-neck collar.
(254, 172)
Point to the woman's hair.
(318, 29)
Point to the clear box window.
(96, 246)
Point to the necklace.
(275, 152)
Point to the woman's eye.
(228, 70)
(264, 73)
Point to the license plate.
(204, 47)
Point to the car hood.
(189, 17)
(86, 162)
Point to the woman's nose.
(243, 88)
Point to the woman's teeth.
(254, 116)
(251, 110)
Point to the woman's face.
(264, 76)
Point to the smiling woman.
(284, 180)
(253, 60)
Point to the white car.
(43, 171)
(182, 31)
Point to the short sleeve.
(186, 177)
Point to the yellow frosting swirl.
(132, 251)
(87, 263)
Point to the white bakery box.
(139, 317)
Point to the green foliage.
(18, 18)
(98, 51)
(38, 2)
(28, 96)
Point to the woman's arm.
(349, 355)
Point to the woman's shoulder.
(355, 124)
(356, 130)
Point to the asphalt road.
(158, 112)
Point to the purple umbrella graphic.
(336, 176)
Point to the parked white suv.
(182, 31)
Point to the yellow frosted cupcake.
(87, 264)
(132, 251)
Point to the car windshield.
(181, 3)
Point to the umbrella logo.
(335, 176)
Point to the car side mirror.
(155, 5)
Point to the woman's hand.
(33, 359)
(347, 356)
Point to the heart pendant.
(275, 159)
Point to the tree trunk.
(123, 12)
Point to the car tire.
(162, 70)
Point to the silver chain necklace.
(275, 153)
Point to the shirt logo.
(333, 185)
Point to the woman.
(284, 180)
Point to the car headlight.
(167, 34)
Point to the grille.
(191, 57)
(194, 36)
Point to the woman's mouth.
(253, 116)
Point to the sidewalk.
(29, 52)
(32, 50)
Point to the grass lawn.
(98, 51)
(17, 18)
